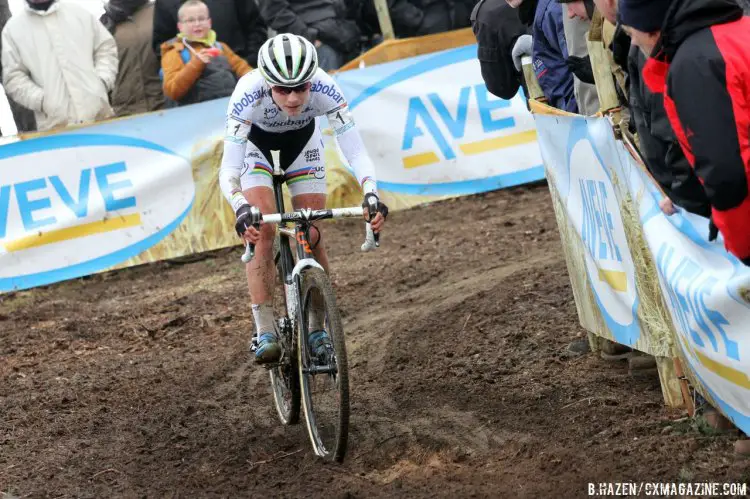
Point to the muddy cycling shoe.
(268, 349)
(320, 344)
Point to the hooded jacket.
(60, 63)
(661, 151)
(702, 66)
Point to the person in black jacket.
(698, 60)
(237, 23)
(406, 18)
(418, 17)
(323, 22)
(658, 144)
(497, 27)
(659, 147)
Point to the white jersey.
(251, 105)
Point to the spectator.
(24, 118)
(138, 87)
(322, 22)
(497, 28)
(702, 66)
(659, 147)
(60, 62)
(236, 22)
(406, 18)
(577, 15)
(196, 67)
(443, 15)
(418, 17)
(657, 143)
(549, 52)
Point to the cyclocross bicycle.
(320, 383)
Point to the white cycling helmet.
(287, 60)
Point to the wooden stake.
(532, 84)
(384, 18)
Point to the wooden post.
(532, 84)
(600, 64)
(671, 388)
(684, 387)
(384, 18)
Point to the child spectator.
(195, 66)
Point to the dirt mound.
(137, 383)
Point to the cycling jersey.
(252, 105)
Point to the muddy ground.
(137, 383)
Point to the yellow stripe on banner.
(616, 279)
(730, 374)
(56, 236)
(426, 158)
(493, 144)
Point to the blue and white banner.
(81, 201)
(707, 290)
(433, 128)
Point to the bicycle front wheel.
(324, 375)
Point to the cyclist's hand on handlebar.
(378, 221)
(247, 219)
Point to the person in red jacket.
(699, 59)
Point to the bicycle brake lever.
(372, 211)
(371, 241)
(250, 247)
(249, 253)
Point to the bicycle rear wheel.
(324, 382)
(284, 376)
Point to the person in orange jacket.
(195, 66)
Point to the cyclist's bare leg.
(260, 270)
(315, 202)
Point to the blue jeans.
(329, 58)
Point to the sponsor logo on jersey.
(270, 112)
(249, 99)
(328, 90)
(312, 155)
(291, 123)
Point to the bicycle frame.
(302, 220)
(290, 271)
